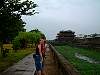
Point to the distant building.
(65, 36)
(79, 40)
(92, 40)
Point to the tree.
(10, 17)
(25, 38)
(35, 30)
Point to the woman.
(38, 57)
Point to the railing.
(64, 66)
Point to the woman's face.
(41, 41)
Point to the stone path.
(24, 67)
(27, 67)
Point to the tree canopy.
(10, 16)
(25, 38)
(35, 30)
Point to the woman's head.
(41, 41)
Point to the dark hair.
(43, 36)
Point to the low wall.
(65, 67)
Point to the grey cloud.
(81, 16)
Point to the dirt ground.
(50, 66)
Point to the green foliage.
(35, 30)
(16, 43)
(82, 66)
(10, 16)
(25, 38)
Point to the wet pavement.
(24, 67)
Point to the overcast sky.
(81, 16)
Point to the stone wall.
(65, 67)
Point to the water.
(85, 58)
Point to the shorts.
(38, 64)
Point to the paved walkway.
(24, 67)
(27, 67)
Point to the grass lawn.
(13, 57)
(84, 67)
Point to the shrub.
(25, 38)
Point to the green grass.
(82, 66)
(13, 57)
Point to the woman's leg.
(39, 72)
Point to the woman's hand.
(42, 59)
